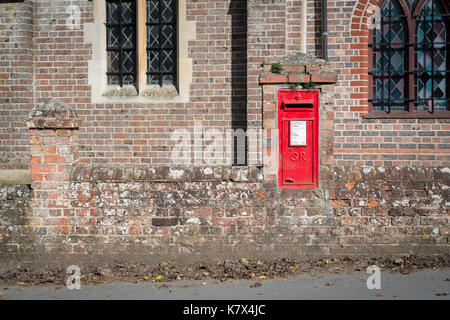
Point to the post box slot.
(298, 105)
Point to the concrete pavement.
(418, 285)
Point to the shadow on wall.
(314, 27)
(238, 12)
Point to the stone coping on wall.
(297, 74)
(52, 114)
(297, 69)
(135, 173)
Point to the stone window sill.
(149, 94)
(150, 91)
(407, 115)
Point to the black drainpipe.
(324, 30)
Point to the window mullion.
(160, 42)
(141, 45)
(119, 20)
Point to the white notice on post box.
(298, 133)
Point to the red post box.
(298, 126)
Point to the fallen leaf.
(20, 283)
(259, 262)
(178, 278)
(204, 283)
(145, 277)
(443, 294)
(337, 268)
(261, 277)
(398, 261)
(380, 295)
(158, 277)
(256, 285)
(164, 286)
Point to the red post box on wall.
(298, 125)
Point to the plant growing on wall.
(276, 67)
(310, 85)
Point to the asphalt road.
(419, 285)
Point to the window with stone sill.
(410, 60)
(141, 38)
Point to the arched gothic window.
(410, 60)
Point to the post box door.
(298, 152)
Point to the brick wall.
(16, 82)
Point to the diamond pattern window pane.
(153, 37)
(168, 13)
(168, 60)
(113, 37)
(153, 79)
(153, 61)
(411, 5)
(153, 14)
(114, 80)
(112, 12)
(113, 61)
(128, 11)
(121, 41)
(167, 79)
(128, 61)
(128, 37)
(161, 42)
(167, 36)
(129, 80)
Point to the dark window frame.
(121, 74)
(410, 64)
(148, 24)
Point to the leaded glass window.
(431, 58)
(161, 42)
(410, 58)
(389, 59)
(121, 42)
